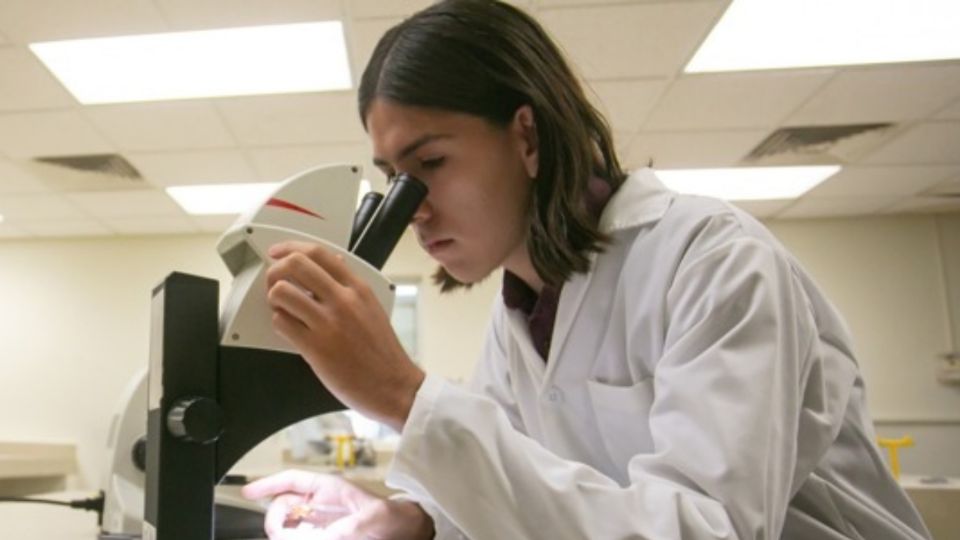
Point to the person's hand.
(335, 321)
(309, 506)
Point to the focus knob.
(139, 454)
(195, 419)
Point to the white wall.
(74, 319)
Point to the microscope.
(221, 382)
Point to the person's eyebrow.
(411, 148)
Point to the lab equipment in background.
(337, 440)
(948, 372)
(221, 384)
(893, 447)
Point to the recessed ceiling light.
(406, 291)
(213, 199)
(747, 183)
(773, 34)
(303, 57)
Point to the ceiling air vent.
(90, 172)
(809, 145)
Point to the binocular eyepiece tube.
(380, 221)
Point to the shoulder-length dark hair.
(488, 58)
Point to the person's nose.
(423, 213)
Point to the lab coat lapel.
(520, 329)
(571, 298)
(642, 199)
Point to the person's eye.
(432, 163)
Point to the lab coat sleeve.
(724, 420)
(490, 378)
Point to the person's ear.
(525, 128)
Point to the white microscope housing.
(316, 206)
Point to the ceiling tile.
(66, 228)
(950, 112)
(763, 209)
(176, 125)
(887, 94)
(362, 38)
(626, 104)
(734, 100)
(855, 181)
(15, 178)
(294, 119)
(925, 205)
(214, 224)
(193, 15)
(201, 167)
(38, 207)
(378, 8)
(641, 40)
(126, 203)
(276, 164)
(671, 150)
(926, 143)
(52, 133)
(152, 225)
(27, 21)
(817, 207)
(26, 84)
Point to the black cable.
(93, 504)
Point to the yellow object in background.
(893, 446)
(344, 445)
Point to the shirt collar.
(641, 199)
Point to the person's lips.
(435, 246)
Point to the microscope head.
(315, 206)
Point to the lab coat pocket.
(623, 418)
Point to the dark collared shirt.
(541, 310)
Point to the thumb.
(343, 529)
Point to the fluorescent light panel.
(302, 57)
(218, 199)
(406, 291)
(747, 183)
(772, 34)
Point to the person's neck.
(523, 269)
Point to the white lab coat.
(698, 386)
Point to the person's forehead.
(396, 130)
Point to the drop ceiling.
(630, 54)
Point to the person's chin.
(467, 276)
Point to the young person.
(658, 366)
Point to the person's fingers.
(282, 249)
(277, 516)
(291, 329)
(342, 529)
(288, 298)
(304, 272)
(333, 263)
(327, 258)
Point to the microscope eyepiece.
(368, 206)
(392, 216)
